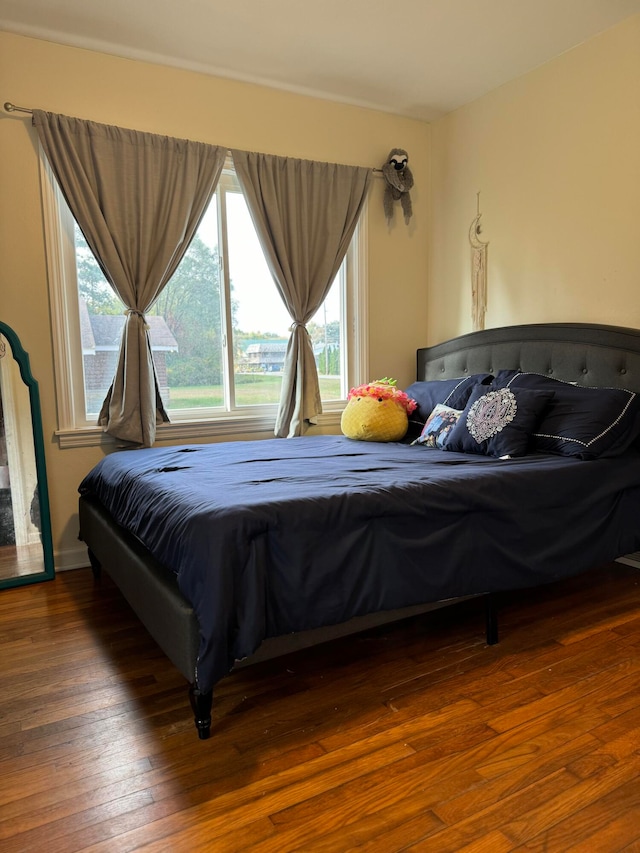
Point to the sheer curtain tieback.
(140, 314)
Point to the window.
(218, 330)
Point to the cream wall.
(556, 158)
(164, 100)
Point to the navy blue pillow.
(498, 421)
(449, 392)
(581, 421)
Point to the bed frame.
(587, 354)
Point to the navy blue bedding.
(275, 536)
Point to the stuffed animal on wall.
(377, 411)
(399, 180)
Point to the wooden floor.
(413, 737)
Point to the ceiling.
(417, 58)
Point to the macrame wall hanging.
(478, 271)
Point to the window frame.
(74, 430)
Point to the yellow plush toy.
(377, 412)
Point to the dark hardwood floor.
(413, 737)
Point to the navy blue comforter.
(270, 537)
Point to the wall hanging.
(399, 181)
(478, 270)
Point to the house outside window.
(100, 335)
(218, 331)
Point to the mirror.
(26, 548)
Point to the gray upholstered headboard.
(585, 353)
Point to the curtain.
(138, 199)
(305, 214)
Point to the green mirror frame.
(22, 359)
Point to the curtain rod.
(14, 108)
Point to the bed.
(232, 552)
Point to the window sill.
(185, 431)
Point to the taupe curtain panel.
(138, 198)
(305, 214)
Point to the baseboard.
(630, 559)
(71, 558)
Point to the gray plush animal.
(399, 181)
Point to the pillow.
(438, 426)
(498, 421)
(581, 421)
(450, 392)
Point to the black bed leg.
(201, 702)
(96, 568)
(491, 619)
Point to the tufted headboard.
(584, 353)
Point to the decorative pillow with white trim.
(498, 421)
(581, 421)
